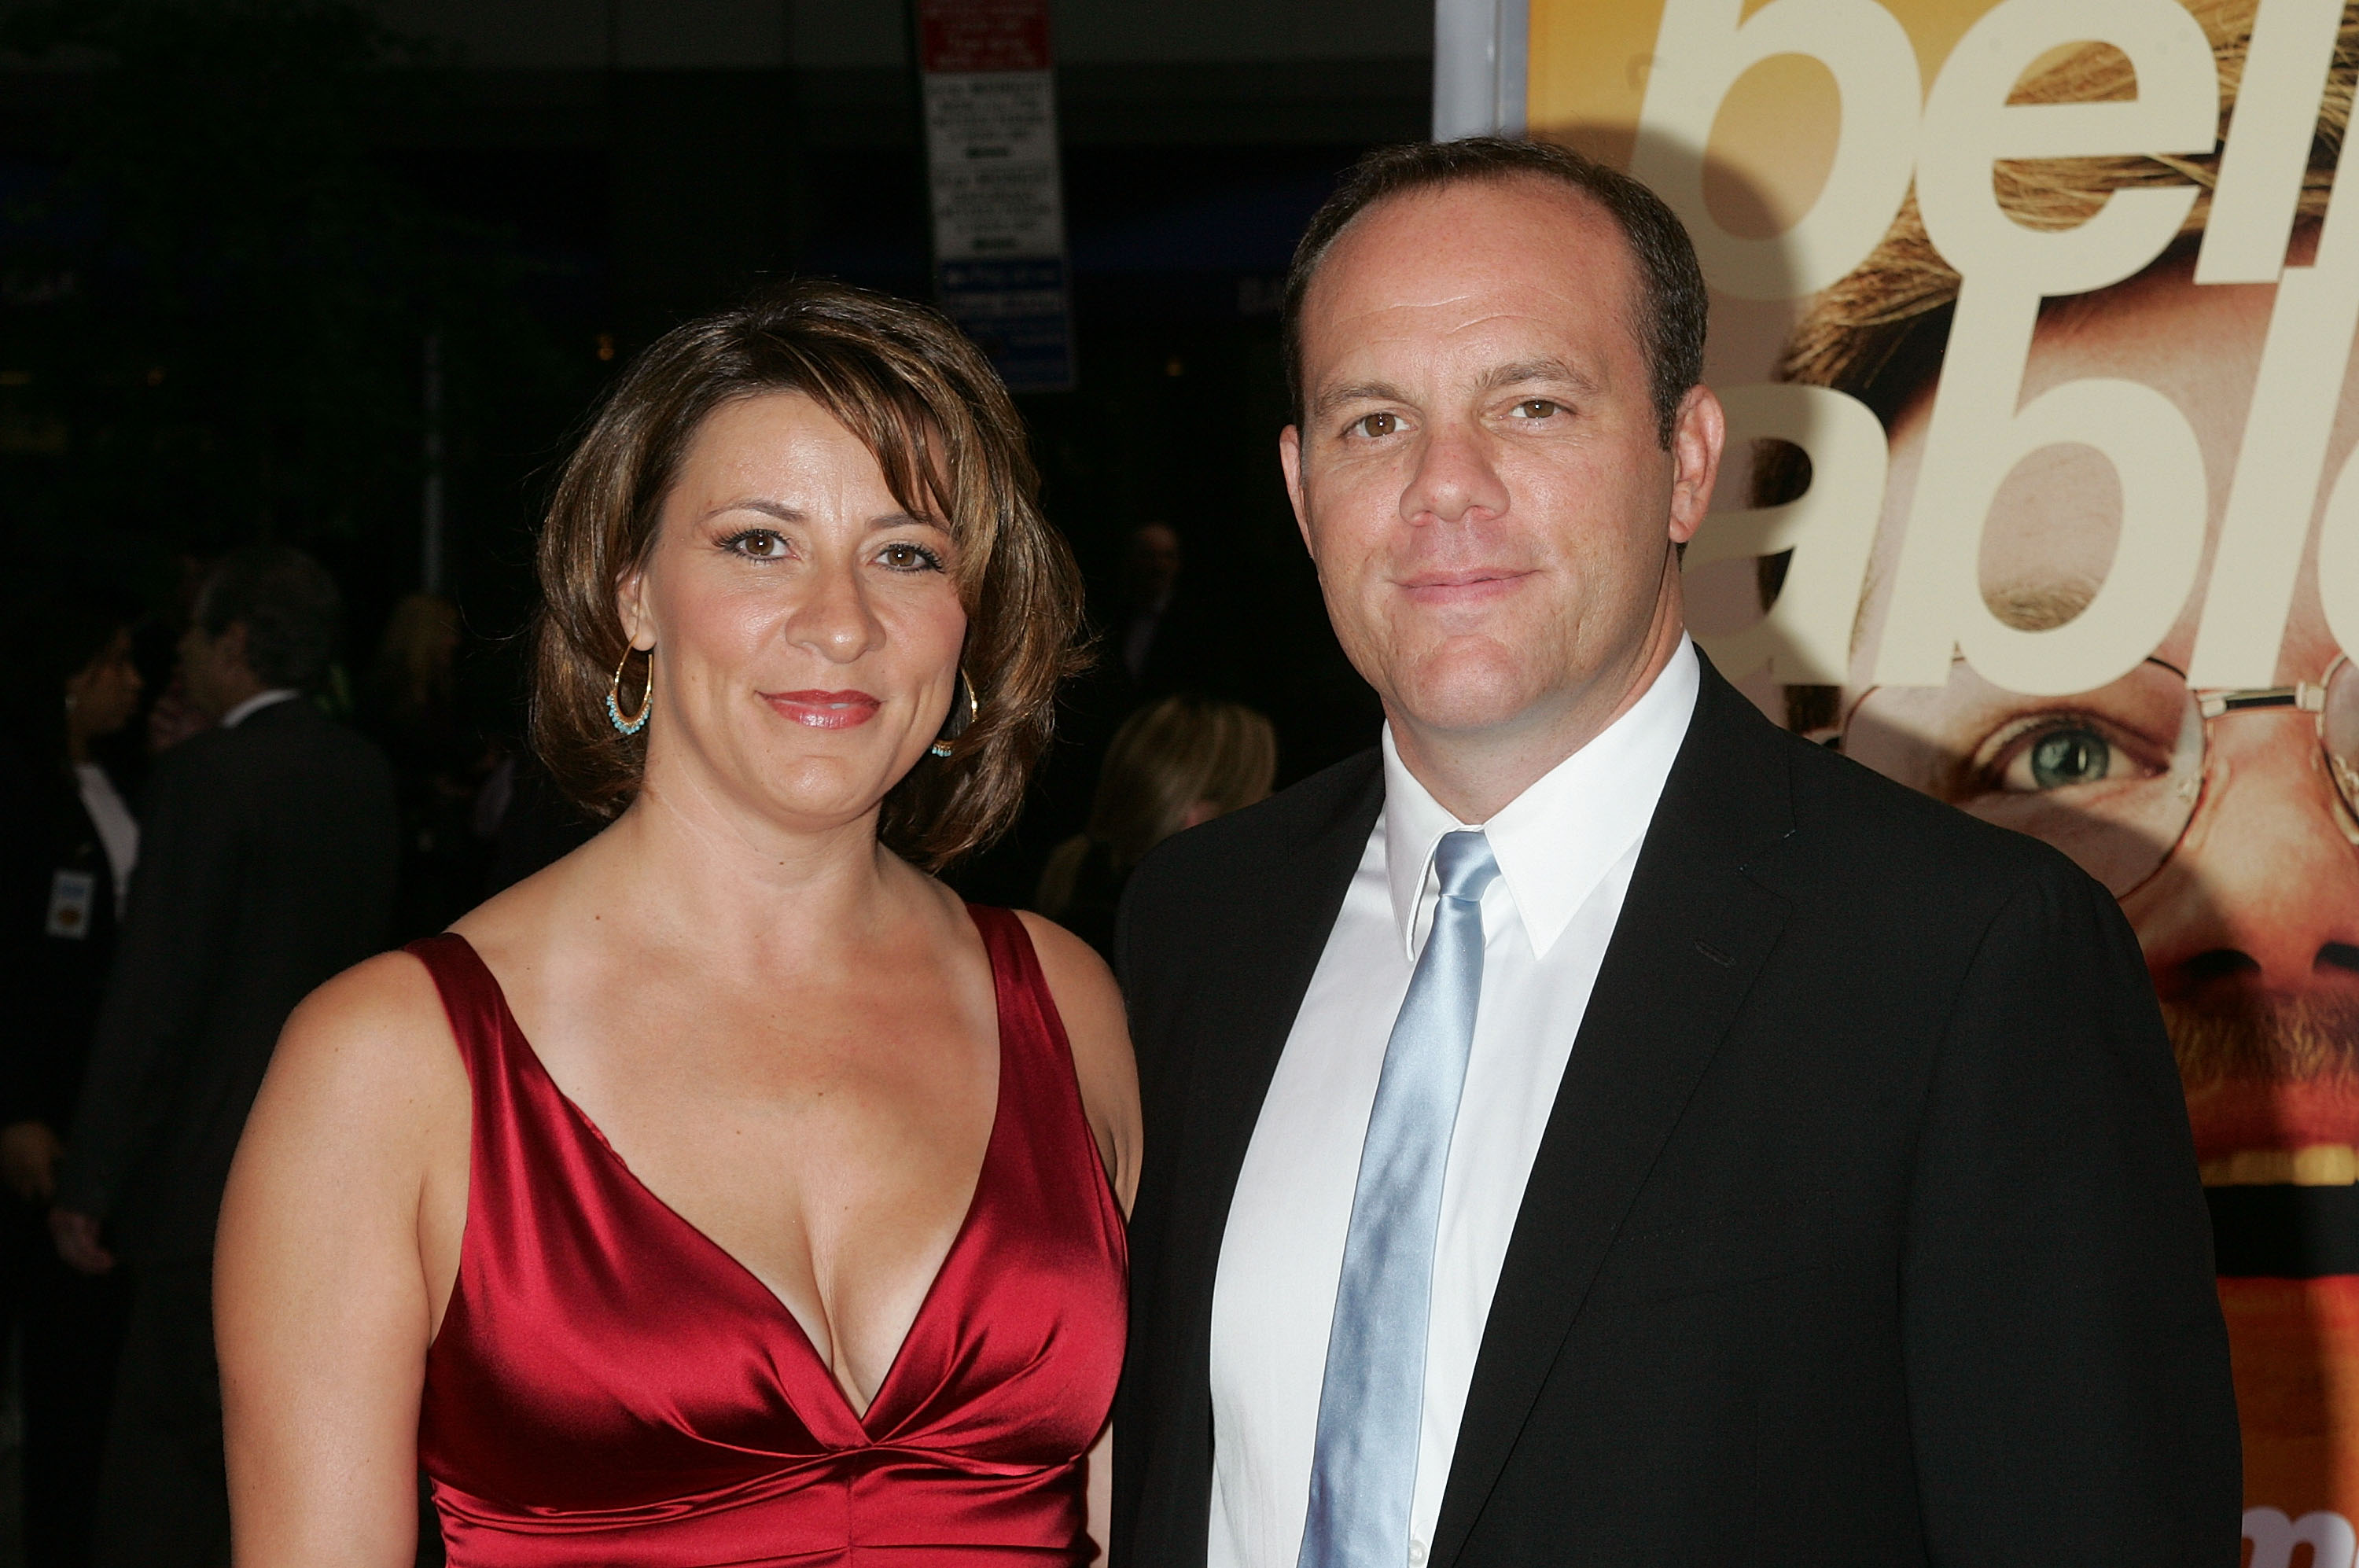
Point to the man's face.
(212, 668)
(2245, 894)
(1480, 475)
(1153, 567)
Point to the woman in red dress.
(729, 1192)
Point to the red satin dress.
(610, 1390)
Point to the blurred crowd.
(213, 811)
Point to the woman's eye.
(761, 544)
(1375, 425)
(2059, 758)
(902, 556)
(1538, 408)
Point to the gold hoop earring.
(637, 721)
(943, 747)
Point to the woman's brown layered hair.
(944, 431)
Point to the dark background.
(228, 229)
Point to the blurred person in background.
(731, 1191)
(1168, 636)
(1157, 639)
(266, 863)
(410, 705)
(1172, 766)
(172, 715)
(1150, 576)
(68, 854)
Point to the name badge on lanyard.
(72, 896)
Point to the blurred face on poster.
(2224, 820)
(1482, 475)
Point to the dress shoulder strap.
(1030, 1023)
(1038, 1083)
(471, 996)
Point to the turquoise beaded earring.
(637, 721)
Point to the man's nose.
(1455, 478)
(835, 619)
(2264, 892)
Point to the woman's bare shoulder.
(1074, 968)
(1090, 1004)
(376, 1034)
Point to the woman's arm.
(339, 1242)
(1090, 1003)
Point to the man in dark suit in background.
(1599, 1128)
(266, 865)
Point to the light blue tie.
(1371, 1402)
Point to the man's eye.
(1375, 425)
(761, 544)
(2059, 758)
(902, 556)
(1538, 408)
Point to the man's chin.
(2272, 1088)
(1470, 685)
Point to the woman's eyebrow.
(777, 509)
(909, 521)
(785, 513)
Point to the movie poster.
(2034, 321)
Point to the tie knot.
(1462, 861)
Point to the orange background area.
(2295, 1345)
(1774, 137)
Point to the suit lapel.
(1692, 933)
(1266, 960)
(1277, 949)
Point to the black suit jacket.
(1866, 1227)
(266, 863)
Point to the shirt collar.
(1556, 840)
(255, 703)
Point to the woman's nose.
(2263, 894)
(835, 619)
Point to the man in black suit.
(266, 865)
(1599, 1128)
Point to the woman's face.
(806, 628)
(103, 695)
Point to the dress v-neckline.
(816, 1363)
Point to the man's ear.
(229, 647)
(1698, 433)
(1290, 458)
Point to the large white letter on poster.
(1705, 49)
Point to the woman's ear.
(631, 608)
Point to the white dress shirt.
(1566, 847)
(118, 829)
(255, 703)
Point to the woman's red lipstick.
(825, 710)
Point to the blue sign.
(1018, 311)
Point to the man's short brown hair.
(1669, 316)
(944, 431)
